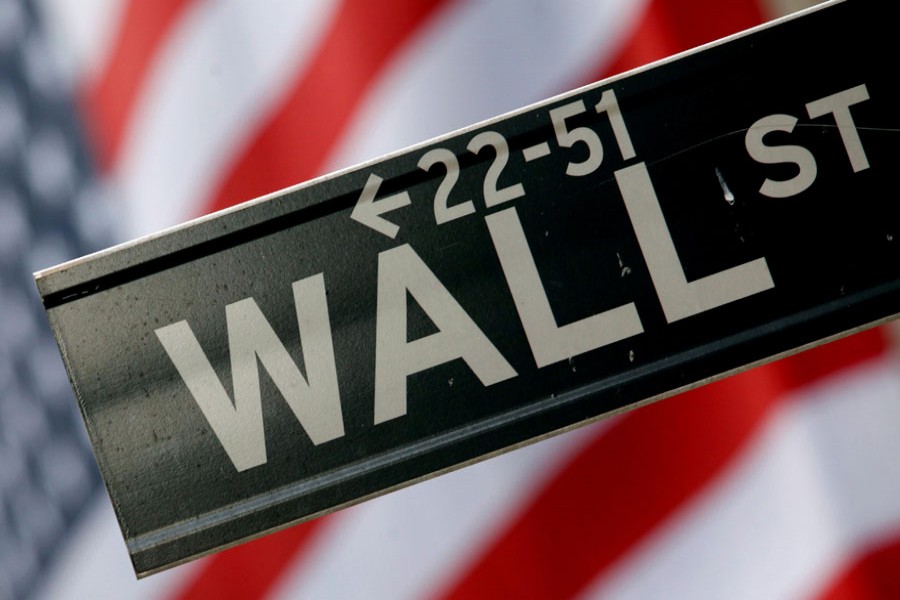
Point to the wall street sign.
(599, 250)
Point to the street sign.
(587, 254)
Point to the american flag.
(782, 482)
(51, 209)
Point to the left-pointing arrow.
(368, 211)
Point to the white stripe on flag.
(224, 68)
(405, 545)
(82, 33)
(479, 59)
(818, 485)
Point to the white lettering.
(839, 105)
(549, 342)
(679, 298)
(239, 425)
(401, 270)
(771, 155)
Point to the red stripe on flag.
(250, 570)
(295, 142)
(645, 467)
(874, 576)
(111, 99)
(671, 26)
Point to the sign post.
(582, 256)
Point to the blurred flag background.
(118, 118)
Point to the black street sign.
(582, 256)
